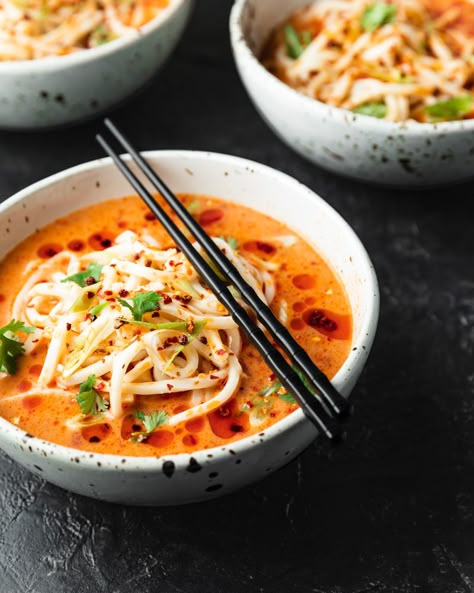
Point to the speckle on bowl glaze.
(205, 474)
(406, 154)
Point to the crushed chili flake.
(169, 386)
(221, 352)
(203, 339)
(90, 280)
(183, 339)
(68, 326)
(123, 293)
(183, 298)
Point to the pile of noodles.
(31, 29)
(87, 331)
(407, 64)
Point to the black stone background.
(389, 511)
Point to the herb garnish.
(451, 109)
(296, 42)
(93, 270)
(232, 241)
(192, 333)
(89, 400)
(378, 14)
(194, 207)
(10, 347)
(150, 423)
(98, 308)
(373, 109)
(142, 303)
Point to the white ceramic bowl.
(55, 90)
(203, 474)
(406, 154)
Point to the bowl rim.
(354, 363)
(53, 63)
(242, 51)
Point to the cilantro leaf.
(93, 270)
(142, 303)
(150, 423)
(453, 108)
(10, 347)
(378, 14)
(373, 109)
(296, 42)
(90, 402)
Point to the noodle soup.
(129, 353)
(400, 60)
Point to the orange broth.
(318, 310)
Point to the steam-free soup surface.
(309, 298)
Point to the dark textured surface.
(391, 511)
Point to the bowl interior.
(230, 178)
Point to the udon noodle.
(31, 29)
(139, 320)
(398, 61)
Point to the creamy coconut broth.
(174, 330)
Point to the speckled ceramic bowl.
(203, 474)
(406, 154)
(55, 91)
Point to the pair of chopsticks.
(323, 409)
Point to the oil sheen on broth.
(317, 310)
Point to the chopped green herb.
(101, 35)
(150, 423)
(183, 326)
(142, 303)
(187, 287)
(86, 299)
(93, 270)
(273, 388)
(194, 207)
(287, 397)
(373, 109)
(197, 328)
(232, 241)
(10, 347)
(378, 14)
(296, 42)
(89, 400)
(98, 308)
(454, 108)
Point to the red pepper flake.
(108, 292)
(203, 339)
(170, 387)
(90, 295)
(148, 263)
(213, 377)
(150, 216)
(90, 280)
(183, 298)
(68, 326)
(224, 411)
(319, 319)
(155, 314)
(183, 340)
(167, 299)
(220, 352)
(123, 293)
(249, 404)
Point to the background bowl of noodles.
(197, 474)
(57, 90)
(405, 153)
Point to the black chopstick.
(310, 405)
(329, 395)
